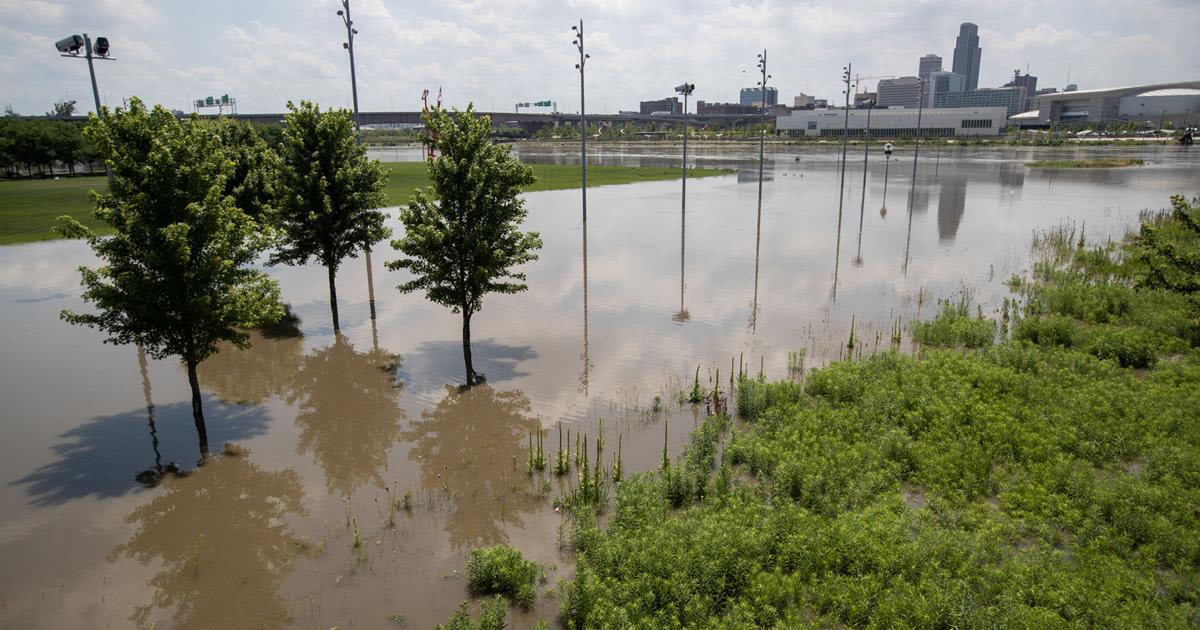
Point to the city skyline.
(269, 52)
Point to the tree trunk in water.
(333, 299)
(198, 411)
(471, 376)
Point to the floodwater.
(329, 431)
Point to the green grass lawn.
(28, 208)
(1096, 163)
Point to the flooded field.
(361, 475)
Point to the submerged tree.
(329, 193)
(176, 276)
(461, 237)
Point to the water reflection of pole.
(149, 409)
(584, 378)
(908, 233)
(887, 162)
(863, 206)
(913, 187)
(371, 301)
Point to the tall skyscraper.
(967, 53)
(929, 64)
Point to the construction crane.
(858, 78)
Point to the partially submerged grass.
(1113, 162)
(493, 616)
(1033, 483)
(28, 208)
(502, 570)
(954, 326)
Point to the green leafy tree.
(461, 237)
(176, 276)
(329, 193)
(252, 181)
(62, 109)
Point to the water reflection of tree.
(350, 414)
(254, 374)
(222, 544)
(467, 446)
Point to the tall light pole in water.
(762, 121)
(686, 90)
(845, 128)
(920, 107)
(344, 13)
(583, 57)
(70, 46)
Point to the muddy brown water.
(330, 430)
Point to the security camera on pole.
(71, 45)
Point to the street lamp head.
(69, 45)
(574, 28)
(341, 12)
(354, 30)
(576, 66)
(346, 45)
(101, 46)
(587, 56)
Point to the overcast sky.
(495, 53)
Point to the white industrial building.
(1177, 103)
(895, 123)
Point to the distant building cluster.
(955, 104)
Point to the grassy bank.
(1094, 163)
(1041, 471)
(28, 208)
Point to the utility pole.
(583, 57)
(69, 47)
(349, 46)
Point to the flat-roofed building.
(895, 123)
(943, 82)
(899, 92)
(669, 105)
(928, 65)
(1011, 98)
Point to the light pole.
(344, 13)
(845, 129)
(920, 107)
(581, 66)
(686, 90)
(762, 123)
(70, 46)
